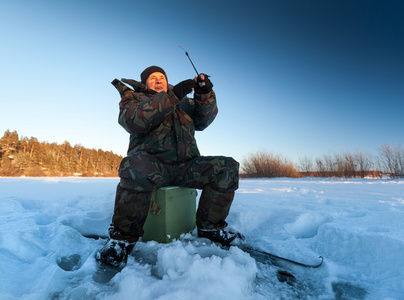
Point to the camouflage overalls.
(163, 152)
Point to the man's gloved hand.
(183, 88)
(203, 84)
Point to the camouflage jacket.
(160, 124)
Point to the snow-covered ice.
(47, 250)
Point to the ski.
(264, 256)
(267, 258)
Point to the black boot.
(221, 235)
(115, 252)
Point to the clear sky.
(296, 78)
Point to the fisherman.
(161, 121)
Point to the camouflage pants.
(142, 173)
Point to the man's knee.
(140, 173)
(228, 175)
(234, 166)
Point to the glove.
(183, 88)
(203, 89)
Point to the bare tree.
(320, 168)
(350, 167)
(364, 163)
(305, 165)
(391, 159)
(330, 164)
(339, 162)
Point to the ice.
(50, 229)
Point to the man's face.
(157, 82)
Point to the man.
(162, 120)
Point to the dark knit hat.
(150, 70)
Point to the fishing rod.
(186, 53)
(199, 79)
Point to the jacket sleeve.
(205, 110)
(139, 115)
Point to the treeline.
(22, 156)
(29, 157)
(389, 161)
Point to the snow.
(357, 225)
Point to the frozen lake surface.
(357, 225)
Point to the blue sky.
(296, 78)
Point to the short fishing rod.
(186, 53)
(199, 80)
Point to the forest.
(22, 156)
